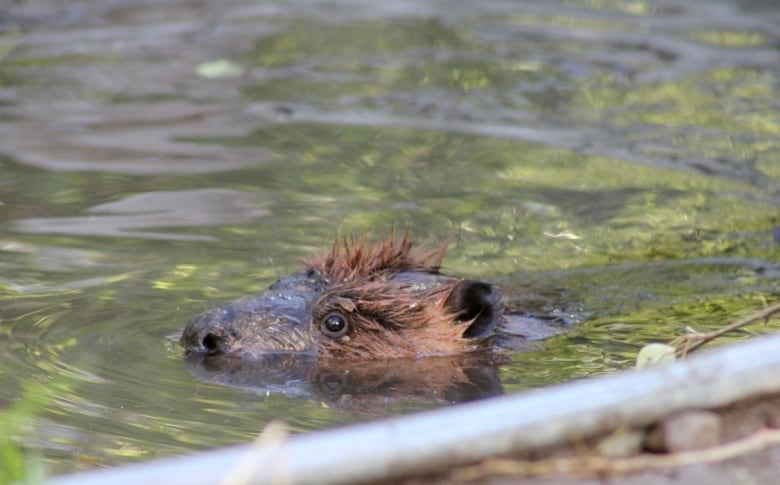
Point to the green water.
(592, 151)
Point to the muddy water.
(614, 161)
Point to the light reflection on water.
(616, 161)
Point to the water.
(618, 161)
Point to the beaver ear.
(477, 301)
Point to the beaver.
(366, 301)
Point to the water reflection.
(371, 387)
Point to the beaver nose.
(210, 343)
(214, 344)
(202, 336)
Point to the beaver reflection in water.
(366, 301)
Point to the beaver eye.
(334, 325)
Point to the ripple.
(135, 215)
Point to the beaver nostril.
(212, 343)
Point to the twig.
(688, 343)
(273, 436)
(600, 465)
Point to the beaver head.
(358, 300)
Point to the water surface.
(614, 161)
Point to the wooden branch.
(685, 344)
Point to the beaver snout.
(255, 324)
(214, 344)
(208, 335)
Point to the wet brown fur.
(359, 260)
(387, 319)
